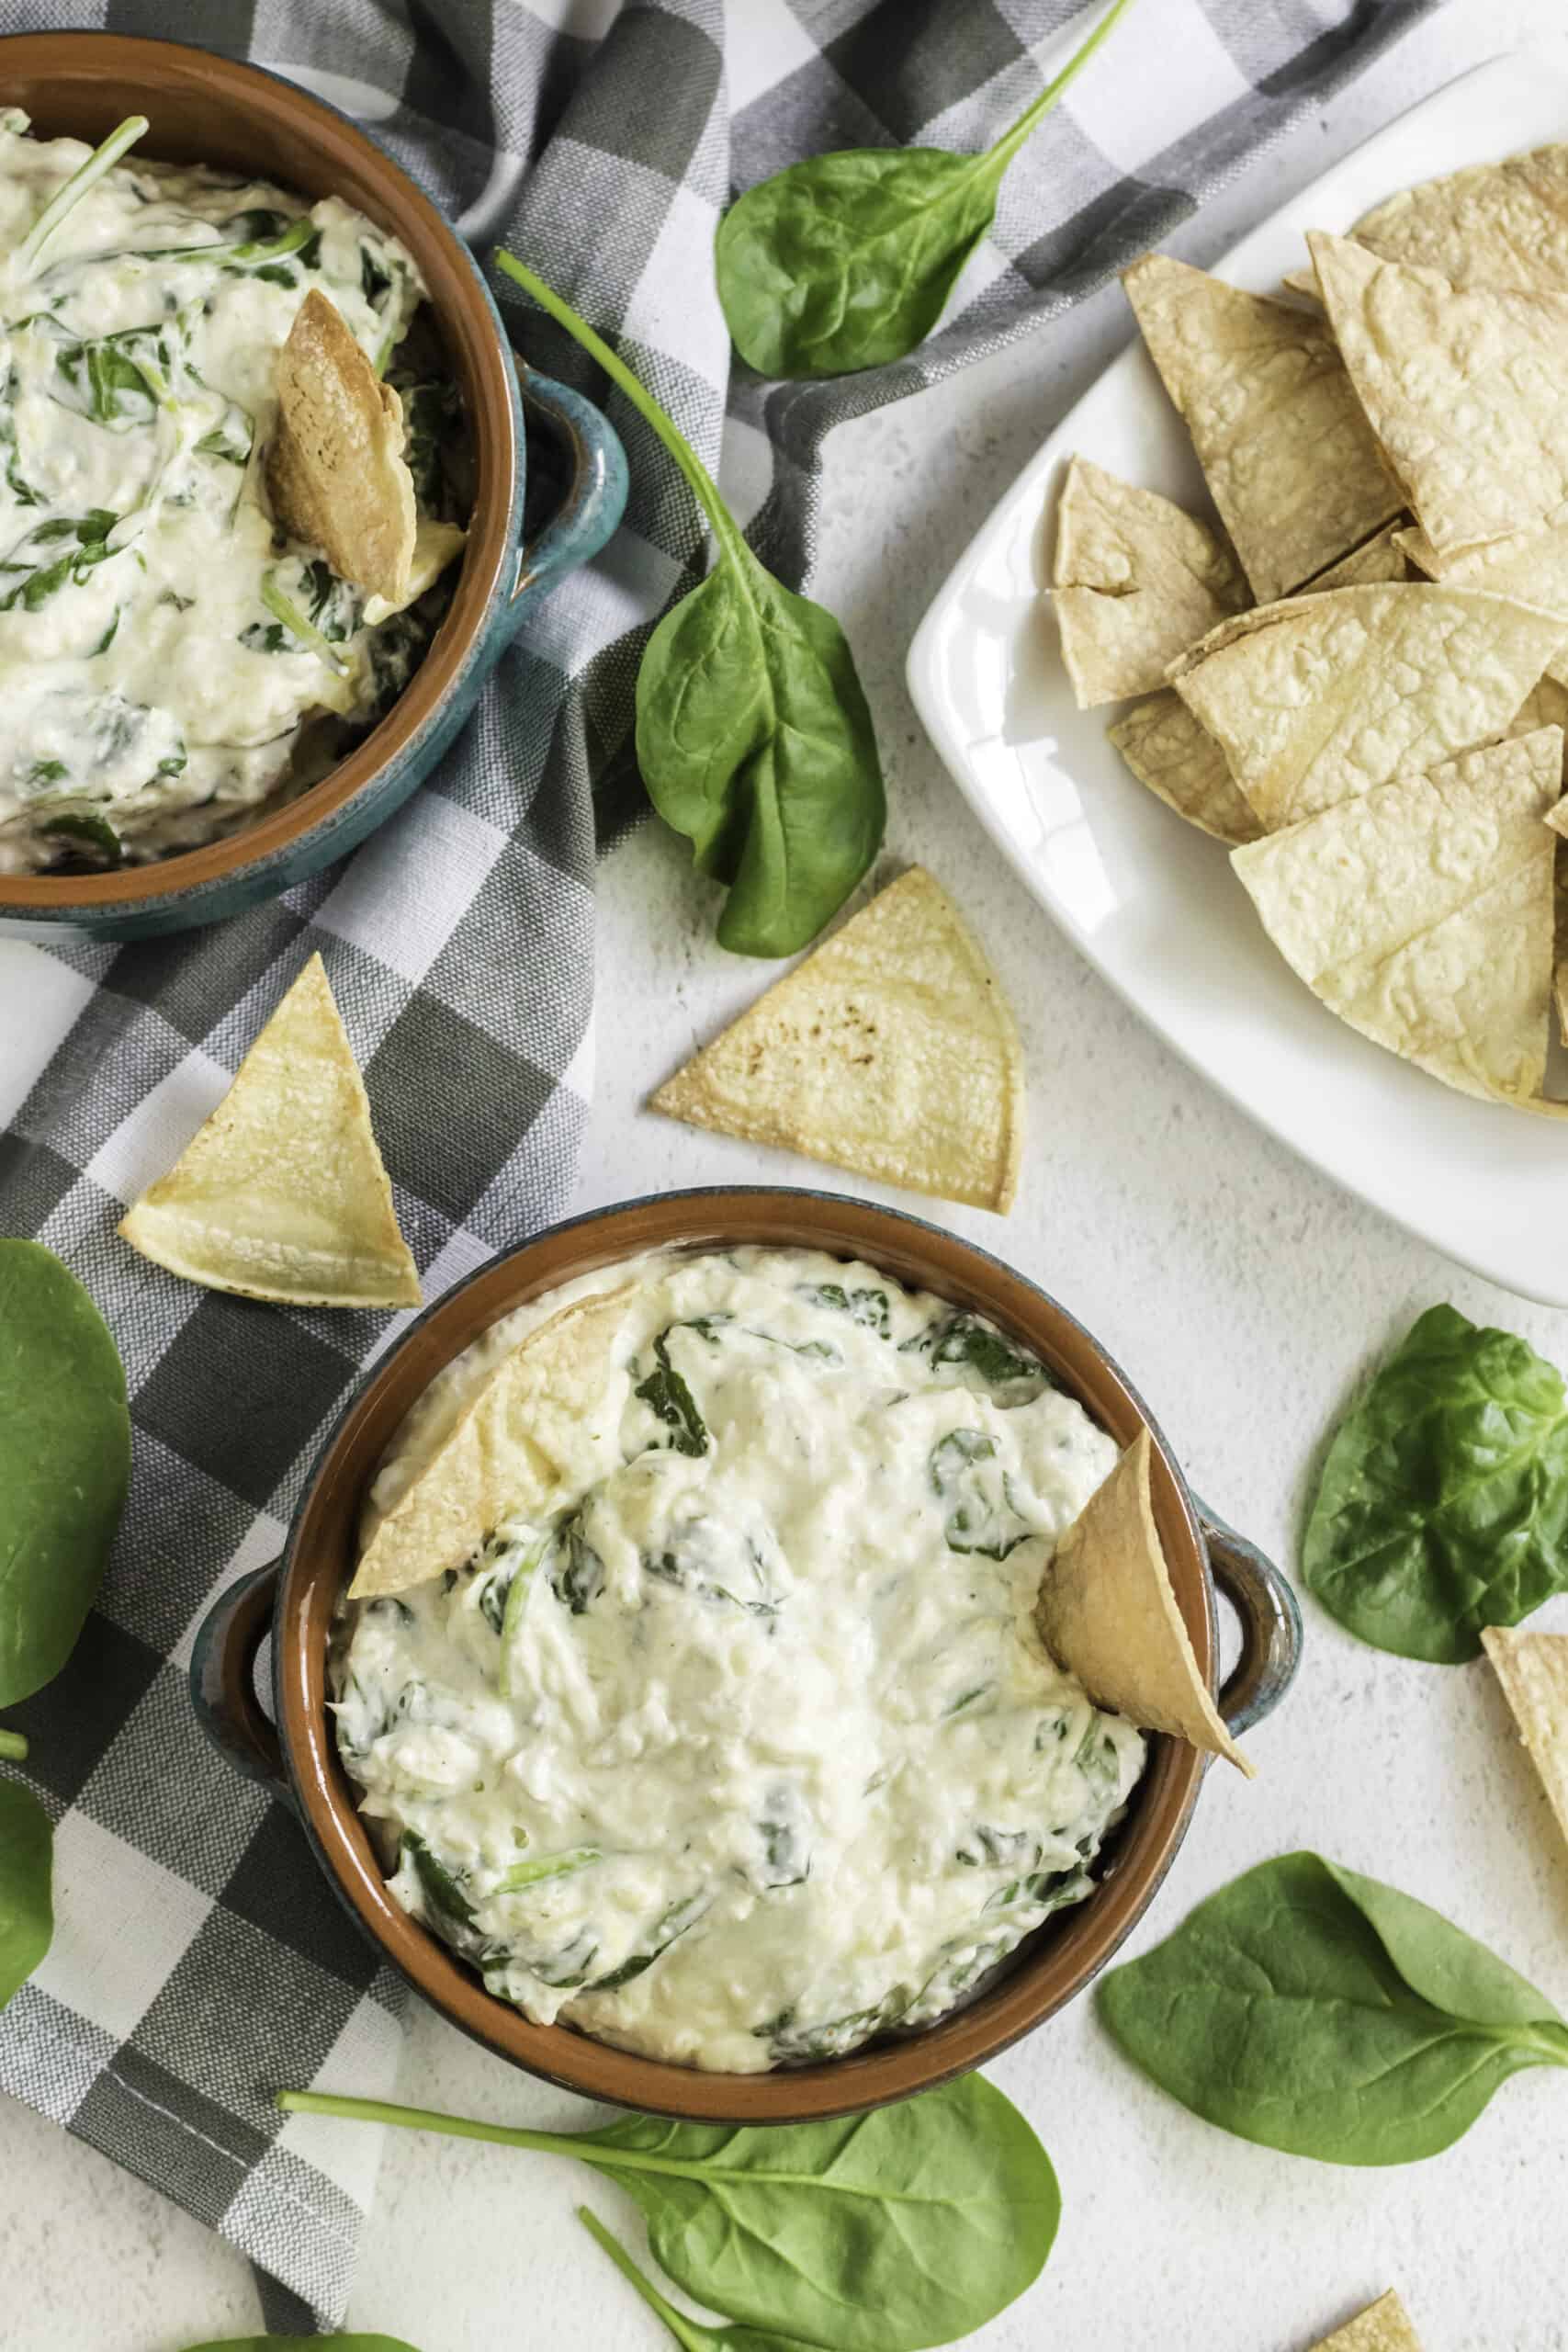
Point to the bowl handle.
(1270, 1624)
(596, 487)
(222, 1684)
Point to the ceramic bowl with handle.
(296, 1599)
(209, 110)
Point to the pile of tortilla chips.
(1373, 723)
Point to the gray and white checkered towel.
(198, 1959)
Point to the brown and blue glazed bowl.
(216, 110)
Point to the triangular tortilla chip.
(546, 1424)
(1465, 388)
(1495, 224)
(1533, 1671)
(1384, 557)
(1383, 2326)
(1296, 475)
(890, 1050)
(1323, 696)
(1532, 567)
(1107, 1612)
(1167, 749)
(282, 1195)
(1423, 912)
(1136, 580)
(334, 467)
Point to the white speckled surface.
(1245, 1295)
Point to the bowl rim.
(1081, 1940)
(478, 342)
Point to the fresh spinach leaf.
(304, 2344)
(806, 2229)
(14, 1747)
(1443, 1503)
(1314, 2010)
(64, 1462)
(670, 1401)
(846, 261)
(754, 733)
(691, 2333)
(26, 1908)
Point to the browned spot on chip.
(1107, 1612)
(334, 469)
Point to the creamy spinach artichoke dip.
(751, 1750)
(167, 660)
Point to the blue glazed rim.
(93, 77)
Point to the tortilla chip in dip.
(1108, 1613)
(1533, 1671)
(1465, 387)
(1495, 224)
(547, 1420)
(1178, 760)
(1291, 462)
(890, 1050)
(1136, 580)
(1323, 696)
(282, 1195)
(1383, 2326)
(1423, 912)
(1384, 557)
(334, 467)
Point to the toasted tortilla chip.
(1533, 1671)
(334, 467)
(282, 1195)
(1384, 557)
(1423, 913)
(1167, 749)
(1532, 567)
(1137, 580)
(1107, 1612)
(1466, 389)
(890, 1050)
(545, 1424)
(1495, 224)
(1383, 2326)
(1324, 696)
(1295, 472)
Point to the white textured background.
(1245, 1295)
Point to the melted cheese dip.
(751, 1750)
(161, 645)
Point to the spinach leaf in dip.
(749, 1749)
(169, 662)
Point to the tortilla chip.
(1136, 582)
(1495, 224)
(1383, 2326)
(1107, 1612)
(545, 1423)
(1167, 749)
(1323, 696)
(890, 1050)
(1533, 1671)
(334, 467)
(1384, 557)
(282, 1195)
(1466, 389)
(1423, 912)
(1296, 474)
(1532, 567)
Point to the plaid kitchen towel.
(198, 1959)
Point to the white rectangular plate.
(1152, 903)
